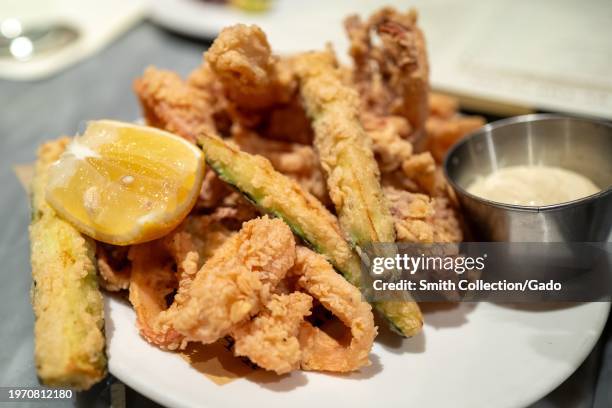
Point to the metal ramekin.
(578, 144)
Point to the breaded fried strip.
(270, 339)
(170, 103)
(68, 306)
(234, 283)
(345, 150)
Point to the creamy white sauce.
(532, 185)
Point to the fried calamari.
(442, 133)
(253, 78)
(161, 268)
(152, 280)
(298, 161)
(391, 74)
(331, 134)
(234, 283)
(423, 219)
(170, 103)
(113, 267)
(270, 340)
(320, 351)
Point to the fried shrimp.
(270, 340)
(170, 103)
(392, 77)
(320, 351)
(234, 283)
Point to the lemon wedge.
(125, 184)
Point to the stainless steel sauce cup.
(581, 145)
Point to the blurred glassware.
(23, 43)
(252, 5)
(41, 37)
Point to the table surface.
(100, 87)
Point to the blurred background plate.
(504, 57)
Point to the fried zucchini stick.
(278, 195)
(353, 177)
(68, 306)
(345, 150)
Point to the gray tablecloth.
(100, 87)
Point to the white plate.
(471, 355)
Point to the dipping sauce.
(533, 186)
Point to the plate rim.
(122, 372)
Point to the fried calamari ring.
(153, 279)
(234, 283)
(113, 267)
(320, 351)
(161, 267)
(270, 339)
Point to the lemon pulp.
(124, 184)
